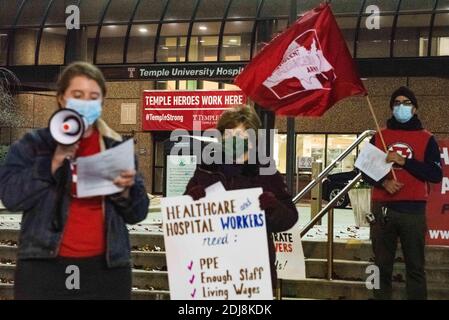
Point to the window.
(111, 44)
(149, 10)
(32, 13)
(412, 34)
(275, 8)
(204, 41)
(373, 43)
(243, 9)
(57, 14)
(141, 43)
(52, 46)
(237, 41)
(440, 36)
(3, 152)
(91, 11)
(172, 42)
(24, 46)
(180, 10)
(8, 12)
(348, 26)
(211, 9)
(336, 144)
(267, 30)
(3, 47)
(158, 177)
(119, 11)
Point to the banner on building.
(169, 110)
(438, 203)
(217, 247)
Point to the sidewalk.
(344, 224)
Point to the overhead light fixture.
(233, 40)
(203, 28)
(202, 41)
(3, 35)
(164, 48)
(143, 30)
(225, 46)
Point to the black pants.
(57, 279)
(410, 228)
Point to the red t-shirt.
(84, 231)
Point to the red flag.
(305, 70)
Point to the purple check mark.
(193, 293)
(190, 265)
(192, 279)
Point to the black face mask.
(234, 147)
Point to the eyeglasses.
(405, 102)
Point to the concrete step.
(356, 271)
(7, 293)
(347, 290)
(343, 249)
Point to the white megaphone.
(67, 126)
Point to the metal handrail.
(328, 169)
(329, 208)
(330, 205)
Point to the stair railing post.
(330, 244)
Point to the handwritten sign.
(290, 263)
(217, 247)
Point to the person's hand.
(61, 153)
(196, 192)
(125, 179)
(395, 157)
(392, 186)
(267, 200)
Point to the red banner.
(170, 110)
(438, 204)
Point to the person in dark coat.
(276, 201)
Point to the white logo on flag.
(403, 149)
(306, 65)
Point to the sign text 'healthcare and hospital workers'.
(189, 110)
(217, 247)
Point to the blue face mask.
(89, 109)
(403, 113)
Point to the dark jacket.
(27, 185)
(243, 176)
(428, 170)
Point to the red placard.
(438, 204)
(170, 110)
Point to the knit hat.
(406, 92)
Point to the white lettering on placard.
(445, 156)
(445, 185)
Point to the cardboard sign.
(290, 262)
(438, 203)
(169, 110)
(217, 247)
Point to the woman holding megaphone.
(71, 247)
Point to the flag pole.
(379, 130)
